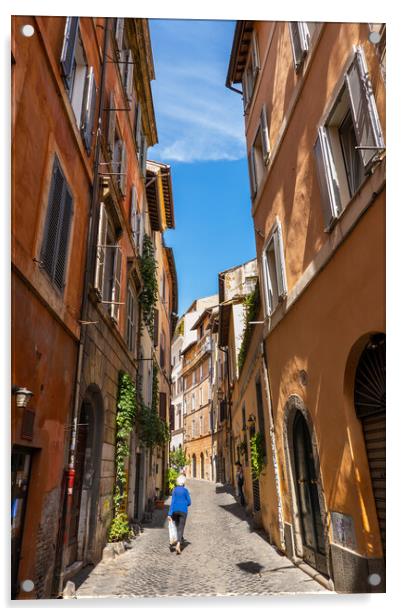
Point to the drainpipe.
(93, 224)
(273, 446)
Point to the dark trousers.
(179, 518)
(241, 494)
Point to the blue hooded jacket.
(180, 500)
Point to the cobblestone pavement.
(222, 556)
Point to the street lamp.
(23, 396)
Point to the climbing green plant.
(257, 455)
(251, 304)
(171, 476)
(178, 459)
(149, 294)
(125, 418)
(152, 430)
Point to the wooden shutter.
(119, 31)
(141, 222)
(123, 169)
(299, 42)
(252, 173)
(128, 81)
(138, 128)
(264, 134)
(255, 55)
(280, 262)
(68, 49)
(144, 151)
(88, 109)
(101, 250)
(364, 110)
(328, 179)
(156, 327)
(162, 405)
(64, 235)
(245, 90)
(134, 213)
(116, 283)
(57, 227)
(111, 124)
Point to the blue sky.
(201, 135)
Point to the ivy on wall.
(257, 455)
(251, 304)
(152, 430)
(149, 294)
(125, 419)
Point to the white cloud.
(198, 118)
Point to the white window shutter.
(88, 108)
(133, 212)
(101, 250)
(68, 49)
(264, 134)
(363, 107)
(128, 84)
(119, 32)
(111, 124)
(267, 283)
(144, 151)
(252, 173)
(138, 128)
(280, 262)
(328, 179)
(298, 42)
(123, 169)
(116, 284)
(255, 54)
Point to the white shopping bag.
(172, 532)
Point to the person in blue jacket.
(178, 509)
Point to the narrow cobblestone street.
(221, 557)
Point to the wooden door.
(312, 529)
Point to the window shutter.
(280, 262)
(253, 178)
(364, 110)
(328, 179)
(128, 82)
(141, 228)
(88, 109)
(68, 49)
(268, 303)
(138, 128)
(156, 327)
(162, 405)
(264, 134)
(144, 151)
(119, 32)
(123, 169)
(255, 55)
(116, 284)
(49, 247)
(133, 213)
(245, 91)
(101, 250)
(111, 125)
(64, 235)
(299, 43)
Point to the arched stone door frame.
(93, 403)
(294, 406)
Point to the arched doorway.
(202, 465)
(312, 529)
(194, 465)
(369, 400)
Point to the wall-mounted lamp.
(23, 396)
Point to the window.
(136, 220)
(131, 316)
(79, 80)
(162, 350)
(192, 402)
(251, 71)
(125, 57)
(348, 142)
(201, 397)
(259, 153)
(201, 430)
(57, 227)
(301, 33)
(185, 406)
(273, 267)
(178, 423)
(116, 147)
(193, 428)
(108, 265)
